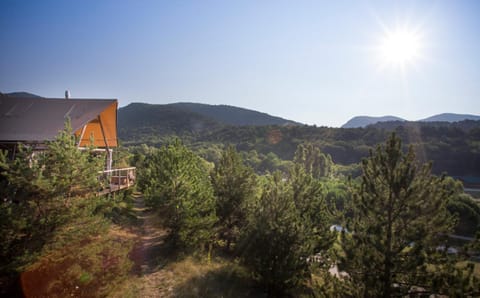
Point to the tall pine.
(234, 185)
(397, 233)
(178, 181)
(288, 225)
(276, 243)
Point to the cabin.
(32, 121)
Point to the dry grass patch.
(193, 277)
(93, 266)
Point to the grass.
(87, 268)
(218, 278)
(194, 277)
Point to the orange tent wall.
(93, 130)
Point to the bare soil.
(148, 254)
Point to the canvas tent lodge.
(34, 120)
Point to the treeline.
(395, 219)
(453, 147)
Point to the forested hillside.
(453, 147)
(277, 227)
(231, 115)
(152, 122)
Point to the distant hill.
(140, 120)
(233, 115)
(464, 125)
(152, 122)
(392, 121)
(363, 121)
(450, 117)
(20, 94)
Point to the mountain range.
(268, 141)
(183, 117)
(363, 121)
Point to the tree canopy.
(175, 178)
(398, 227)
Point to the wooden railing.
(117, 179)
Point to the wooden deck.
(116, 179)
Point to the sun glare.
(400, 48)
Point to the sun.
(400, 48)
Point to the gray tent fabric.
(41, 119)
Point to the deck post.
(81, 135)
(106, 143)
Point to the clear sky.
(316, 62)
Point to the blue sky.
(309, 61)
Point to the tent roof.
(41, 119)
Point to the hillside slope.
(232, 115)
(146, 122)
(139, 122)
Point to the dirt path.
(148, 253)
(159, 272)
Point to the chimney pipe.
(67, 94)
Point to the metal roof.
(41, 119)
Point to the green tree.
(177, 179)
(234, 184)
(36, 188)
(286, 226)
(70, 171)
(399, 222)
(313, 160)
(463, 207)
(62, 170)
(275, 244)
(309, 196)
(142, 160)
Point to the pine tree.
(275, 244)
(35, 189)
(60, 171)
(178, 180)
(309, 195)
(234, 185)
(313, 160)
(70, 171)
(399, 221)
(286, 226)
